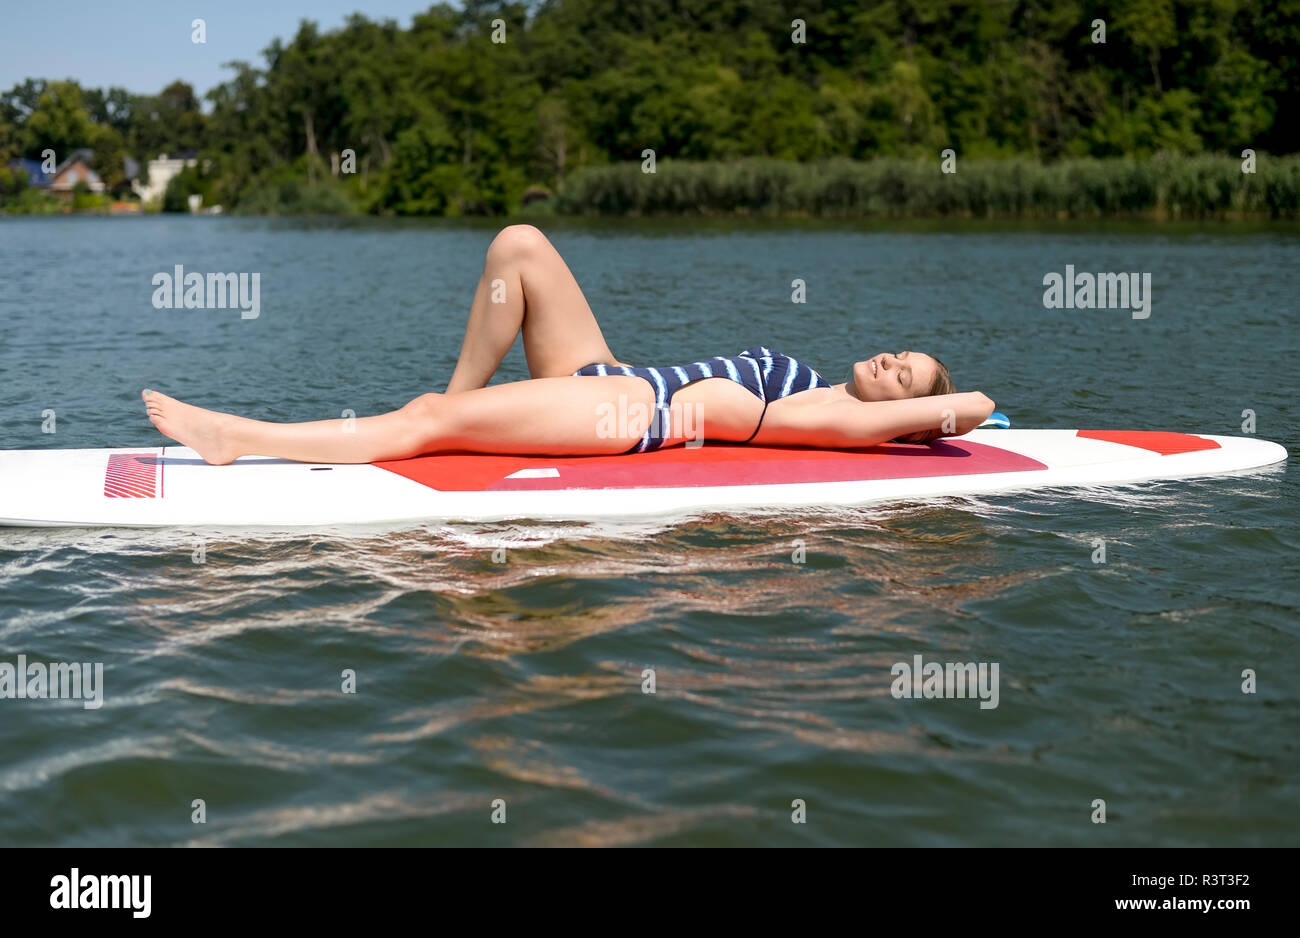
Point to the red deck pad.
(721, 464)
(131, 475)
(1158, 441)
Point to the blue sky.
(143, 45)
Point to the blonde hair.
(942, 384)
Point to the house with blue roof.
(75, 169)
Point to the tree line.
(481, 108)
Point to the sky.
(144, 45)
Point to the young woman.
(581, 400)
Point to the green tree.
(59, 122)
(109, 158)
(170, 122)
(9, 142)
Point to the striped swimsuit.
(768, 375)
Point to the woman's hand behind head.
(958, 414)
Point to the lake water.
(522, 681)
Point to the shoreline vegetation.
(1177, 109)
(1165, 187)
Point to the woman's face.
(890, 377)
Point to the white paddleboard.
(170, 485)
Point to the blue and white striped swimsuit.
(768, 375)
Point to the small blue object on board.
(999, 420)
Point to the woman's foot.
(204, 431)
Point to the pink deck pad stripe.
(131, 475)
(721, 465)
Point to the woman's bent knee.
(515, 242)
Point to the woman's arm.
(845, 423)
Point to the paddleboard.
(171, 485)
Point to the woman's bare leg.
(548, 416)
(527, 286)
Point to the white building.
(161, 172)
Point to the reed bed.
(1164, 186)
